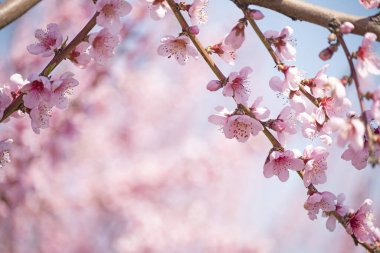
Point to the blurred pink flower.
(358, 158)
(110, 12)
(61, 88)
(79, 56)
(236, 86)
(103, 44)
(350, 131)
(235, 37)
(178, 47)
(367, 60)
(158, 8)
(281, 41)
(256, 14)
(279, 164)
(225, 52)
(315, 166)
(198, 13)
(324, 201)
(49, 41)
(346, 27)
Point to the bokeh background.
(134, 166)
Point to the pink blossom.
(328, 52)
(49, 41)
(37, 90)
(178, 47)
(5, 100)
(5, 152)
(261, 113)
(103, 44)
(311, 128)
(319, 82)
(194, 29)
(346, 27)
(158, 8)
(281, 41)
(340, 209)
(324, 201)
(225, 52)
(367, 60)
(358, 158)
(256, 14)
(236, 85)
(297, 102)
(370, 4)
(236, 125)
(79, 56)
(197, 12)
(40, 116)
(315, 166)
(360, 224)
(110, 12)
(279, 164)
(235, 37)
(61, 88)
(291, 80)
(349, 131)
(284, 124)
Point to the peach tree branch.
(11, 10)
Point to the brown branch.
(303, 11)
(11, 10)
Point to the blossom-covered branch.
(10, 10)
(300, 10)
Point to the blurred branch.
(11, 10)
(299, 10)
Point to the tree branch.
(300, 10)
(11, 10)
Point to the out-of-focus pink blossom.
(367, 60)
(110, 12)
(360, 224)
(281, 41)
(311, 128)
(79, 56)
(236, 86)
(346, 27)
(340, 209)
(40, 116)
(261, 113)
(279, 164)
(318, 83)
(284, 124)
(5, 156)
(49, 41)
(225, 52)
(37, 90)
(103, 44)
(256, 14)
(291, 80)
(358, 158)
(370, 4)
(349, 131)
(198, 13)
(235, 37)
(236, 125)
(61, 88)
(324, 201)
(315, 166)
(158, 8)
(178, 47)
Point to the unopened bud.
(346, 27)
(327, 53)
(214, 85)
(256, 14)
(194, 30)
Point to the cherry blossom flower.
(197, 12)
(340, 209)
(315, 166)
(261, 113)
(346, 27)
(350, 130)
(37, 90)
(358, 158)
(236, 125)
(297, 102)
(178, 47)
(4, 152)
(291, 80)
(158, 8)
(235, 37)
(311, 128)
(324, 201)
(49, 41)
(40, 116)
(279, 164)
(79, 56)
(370, 4)
(225, 52)
(284, 124)
(281, 42)
(110, 12)
(318, 84)
(61, 88)
(367, 60)
(236, 85)
(103, 44)
(361, 224)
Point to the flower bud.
(214, 85)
